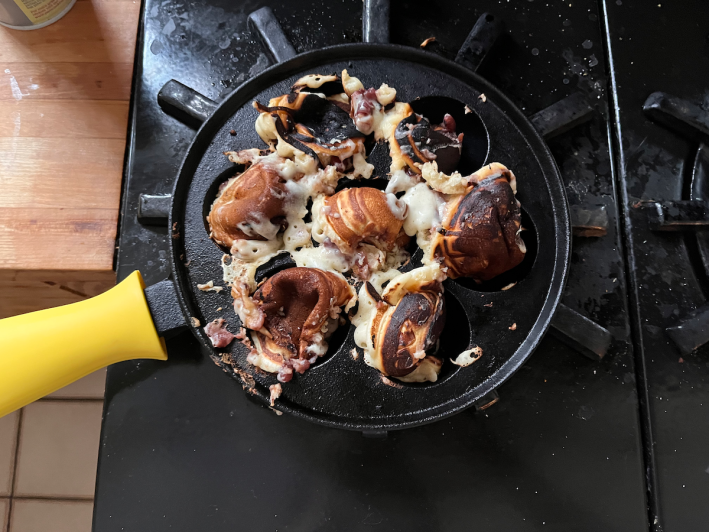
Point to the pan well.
(511, 278)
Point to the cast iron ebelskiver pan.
(340, 390)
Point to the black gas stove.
(613, 440)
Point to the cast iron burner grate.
(192, 108)
(690, 215)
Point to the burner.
(691, 214)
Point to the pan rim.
(545, 160)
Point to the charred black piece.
(312, 124)
(421, 142)
(481, 238)
(325, 120)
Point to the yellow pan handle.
(44, 351)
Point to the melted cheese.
(259, 226)
(363, 322)
(322, 181)
(322, 257)
(401, 181)
(361, 168)
(426, 371)
(398, 208)
(252, 250)
(303, 163)
(386, 94)
(447, 184)
(342, 98)
(235, 270)
(314, 81)
(379, 278)
(423, 241)
(386, 126)
(411, 281)
(296, 235)
(467, 357)
(322, 230)
(350, 83)
(266, 128)
(243, 156)
(423, 209)
(458, 184)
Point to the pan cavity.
(509, 279)
(475, 147)
(213, 192)
(454, 339)
(476, 143)
(337, 340)
(255, 201)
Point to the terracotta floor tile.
(90, 387)
(51, 516)
(4, 508)
(58, 449)
(8, 439)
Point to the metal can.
(32, 14)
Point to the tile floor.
(48, 454)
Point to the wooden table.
(64, 97)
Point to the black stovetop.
(573, 444)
